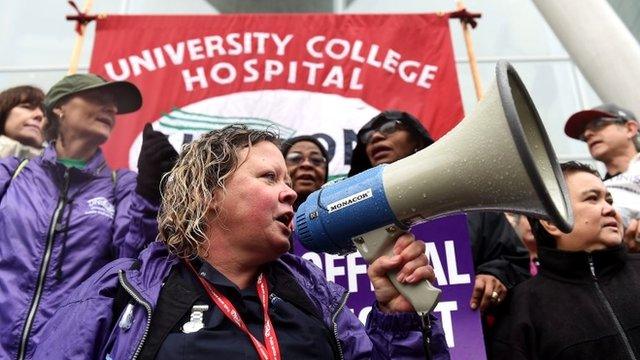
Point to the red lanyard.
(269, 352)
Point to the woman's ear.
(214, 203)
(213, 207)
(551, 228)
(58, 112)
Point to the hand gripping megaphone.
(498, 158)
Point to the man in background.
(610, 132)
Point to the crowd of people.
(192, 255)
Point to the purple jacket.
(58, 226)
(84, 327)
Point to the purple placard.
(449, 251)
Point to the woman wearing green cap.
(65, 214)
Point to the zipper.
(426, 335)
(42, 272)
(138, 298)
(625, 339)
(343, 302)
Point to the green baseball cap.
(127, 96)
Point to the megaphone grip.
(423, 296)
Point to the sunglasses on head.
(296, 158)
(600, 123)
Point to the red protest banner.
(302, 74)
(312, 74)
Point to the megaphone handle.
(423, 296)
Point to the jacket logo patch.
(100, 206)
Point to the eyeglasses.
(600, 123)
(386, 128)
(296, 158)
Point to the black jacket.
(496, 248)
(580, 306)
(178, 296)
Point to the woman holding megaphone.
(220, 280)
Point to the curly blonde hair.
(192, 185)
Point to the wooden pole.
(77, 47)
(473, 62)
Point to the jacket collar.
(17, 148)
(96, 166)
(576, 265)
(154, 264)
(282, 283)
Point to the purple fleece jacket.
(84, 327)
(51, 243)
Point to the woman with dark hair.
(65, 214)
(21, 121)
(583, 304)
(307, 164)
(391, 135)
(500, 259)
(220, 281)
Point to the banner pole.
(473, 62)
(77, 47)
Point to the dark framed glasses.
(296, 158)
(386, 128)
(601, 123)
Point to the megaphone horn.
(498, 158)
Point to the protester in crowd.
(21, 121)
(583, 304)
(307, 164)
(625, 190)
(224, 233)
(500, 259)
(65, 214)
(611, 133)
(523, 229)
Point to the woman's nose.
(111, 107)
(376, 136)
(306, 161)
(608, 210)
(288, 195)
(38, 114)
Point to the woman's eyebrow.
(592, 191)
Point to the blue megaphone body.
(361, 197)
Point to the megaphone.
(498, 158)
